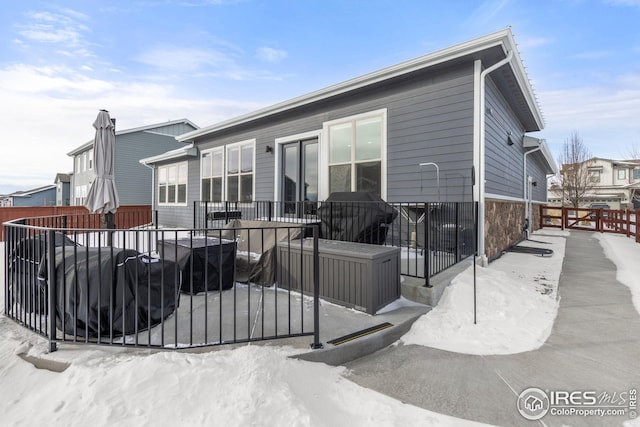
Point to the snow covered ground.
(260, 385)
(517, 302)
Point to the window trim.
(240, 144)
(323, 184)
(212, 151)
(624, 172)
(225, 175)
(177, 166)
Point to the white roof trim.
(188, 151)
(531, 142)
(29, 193)
(502, 38)
(89, 144)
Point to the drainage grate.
(359, 334)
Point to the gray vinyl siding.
(173, 130)
(133, 180)
(179, 216)
(41, 198)
(503, 162)
(429, 119)
(537, 170)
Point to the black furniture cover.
(360, 217)
(110, 291)
(27, 259)
(213, 262)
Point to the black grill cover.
(355, 217)
(212, 260)
(101, 294)
(27, 260)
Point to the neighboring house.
(614, 183)
(63, 189)
(466, 108)
(132, 179)
(41, 196)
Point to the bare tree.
(577, 180)
(632, 152)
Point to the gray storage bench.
(358, 275)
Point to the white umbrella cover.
(103, 195)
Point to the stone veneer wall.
(504, 222)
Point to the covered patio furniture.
(360, 217)
(256, 247)
(206, 263)
(110, 291)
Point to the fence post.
(316, 290)
(51, 279)
(457, 241)
(427, 246)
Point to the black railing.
(432, 236)
(153, 287)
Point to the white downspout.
(480, 137)
(153, 185)
(526, 193)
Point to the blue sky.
(150, 61)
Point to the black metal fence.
(432, 236)
(151, 287)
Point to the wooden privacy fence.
(76, 216)
(617, 221)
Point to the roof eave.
(502, 38)
(188, 151)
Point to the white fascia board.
(189, 151)
(80, 149)
(531, 142)
(501, 38)
(523, 81)
(544, 148)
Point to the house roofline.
(503, 38)
(28, 193)
(88, 144)
(187, 151)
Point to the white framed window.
(90, 160)
(622, 174)
(636, 173)
(356, 153)
(240, 163)
(227, 172)
(594, 175)
(172, 184)
(212, 175)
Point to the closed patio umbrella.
(103, 195)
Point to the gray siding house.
(465, 109)
(133, 180)
(63, 189)
(41, 196)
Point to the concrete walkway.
(594, 346)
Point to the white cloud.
(270, 54)
(596, 54)
(532, 42)
(606, 117)
(48, 111)
(62, 28)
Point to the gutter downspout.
(480, 151)
(153, 184)
(526, 195)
